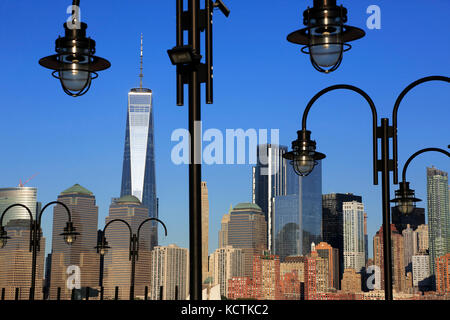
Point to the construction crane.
(21, 185)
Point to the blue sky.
(261, 82)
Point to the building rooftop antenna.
(141, 75)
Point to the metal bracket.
(380, 165)
(186, 20)
(380, 132)
(184, 71)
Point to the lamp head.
(405, 198)
(75, 63)
(304, 156)
(326, 36)
(70, 234)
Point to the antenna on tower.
(141, 75)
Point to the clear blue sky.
(261, 81)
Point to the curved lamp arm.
(129, 228)
(418, 153)
(16, 205)
(39, 216)
(143, 222)
(395, 113)
(374, 118)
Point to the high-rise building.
(16, 262)
(354, 251)
(23, 195)
(325, 251)
(414, 219)
(333, 221)
(266, 278)
(316, 275)
(421, 271)
(82, 253)
(443, 274)
(223, 232)
(117, 264)
(205, 230)
(138, 174)
(226, 263)
(351, 281)
(438, 215)
(247, 230)
(410, 246)
(170, 270)
(398, 265)
(269, 181)
(422, 238)
(297, 218)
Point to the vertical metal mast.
(141, 75)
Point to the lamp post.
(75, 63)
(69, 235)
(102, 247)
(191, 71)
(326, 37)
(404, 196)
(304, 157)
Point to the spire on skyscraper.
(141, 75)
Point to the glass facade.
(138, 175)
(298, 216)
(269, 180)
(438, 215)
(23, 195)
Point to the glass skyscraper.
(23, 195)
(292, 205)
(438, 215)
(298, 214)
(138, 174)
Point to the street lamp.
(404, 196)
(69, 235)
(326, 37)
(102, 248)
(304, 156)
(75, 63)
(190, 70)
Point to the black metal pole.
(195, 221)
(133, 265)
(387, 243)
(34, 230)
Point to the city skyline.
(84, 160)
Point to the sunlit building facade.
(23, 195)
(138, 174)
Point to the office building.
(294, 264)
(138, 174)
(170, 270)
(354, 251)
(117, 264)
(266, 278)
(422, 238)
(421, 271)
(325, 251)
(82, 253)
(247, 230)
(23, 195)
(438, 215)
(443, 274)
(16, 262)
(333, 221)
(351, 281)
(226, 263)
(398, 265)
(316, 275)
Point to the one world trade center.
(138, 174)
